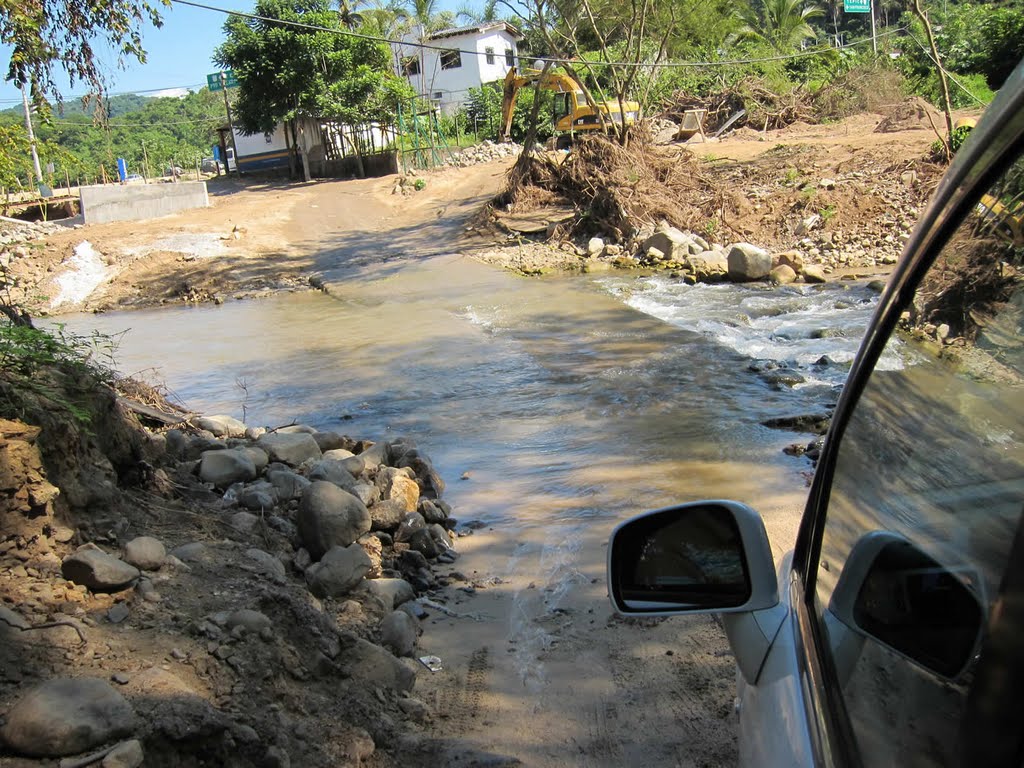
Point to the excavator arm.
(515, 80)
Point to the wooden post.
(67, 181)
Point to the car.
(133, 178)
(893, 633)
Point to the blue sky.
(178, 53)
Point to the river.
(553, 408)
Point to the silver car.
(893, 633)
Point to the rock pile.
(694, 259)
(199, 648)
(15, 237)
(14, 232)
(485, 152)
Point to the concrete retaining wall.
(127, 202)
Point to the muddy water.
(556, 398)
(567, 405)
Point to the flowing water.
(560, 399)
(553, 409)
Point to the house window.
(510, 57)
(451, 59)
(410, 65)
(438, 95)
(490, 55)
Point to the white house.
(468, 57)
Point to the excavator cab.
(572, 112)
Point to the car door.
(908, 576)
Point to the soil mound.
(910, 115)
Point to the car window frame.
(995, 144)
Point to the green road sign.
(213, 81)
(857, 6)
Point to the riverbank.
(840, 197)
(211, 593)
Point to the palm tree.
(485, 15)
(385, 18)
(348, 16)
(780, 23)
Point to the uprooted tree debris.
(616, 189)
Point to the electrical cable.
(426, 46)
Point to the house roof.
(456, 31)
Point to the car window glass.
(927, 497)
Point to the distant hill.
(118, 105)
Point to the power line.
(429, 47)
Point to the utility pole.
(31, 135)
(874, 37)
(231, 125)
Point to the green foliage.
(420, 184)
(43, 34)
(165, 130)
(983, 38)
(483, 113)
(31, 359)
(285, 73)
(783, 24)
(955, 34)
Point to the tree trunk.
(944, 83)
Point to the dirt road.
(536, 668)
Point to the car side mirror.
(896, 594)
(703, 557)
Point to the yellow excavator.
(1005, 217)
(572, 112)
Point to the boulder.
(249, 620)
(258, 455)
(297, 429)
(67, 716)
(782, 275)
(708, 263)
(94, 569)
(329, 517)
(375, 666)
(244, 522)
(595, 247)
(396, 485)
(793, 259)
(221, 426)
(423, 541)
(387, 515)
(813, 273)
(145, 553)
(374, 456)
(398, 633)
(748, 262)
(267, 564)
(288, 485)
(258, 496)
(391, 592)
(291, 448)
(333, 471)
(423, 470)
(366, 493)
(338, 454)
(339, 571)
(673, 244)
(329, 441)
(431, 512)
(225, 468)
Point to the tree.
(286, 72)
(783, 24)
(44, 34)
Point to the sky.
(178, 54)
